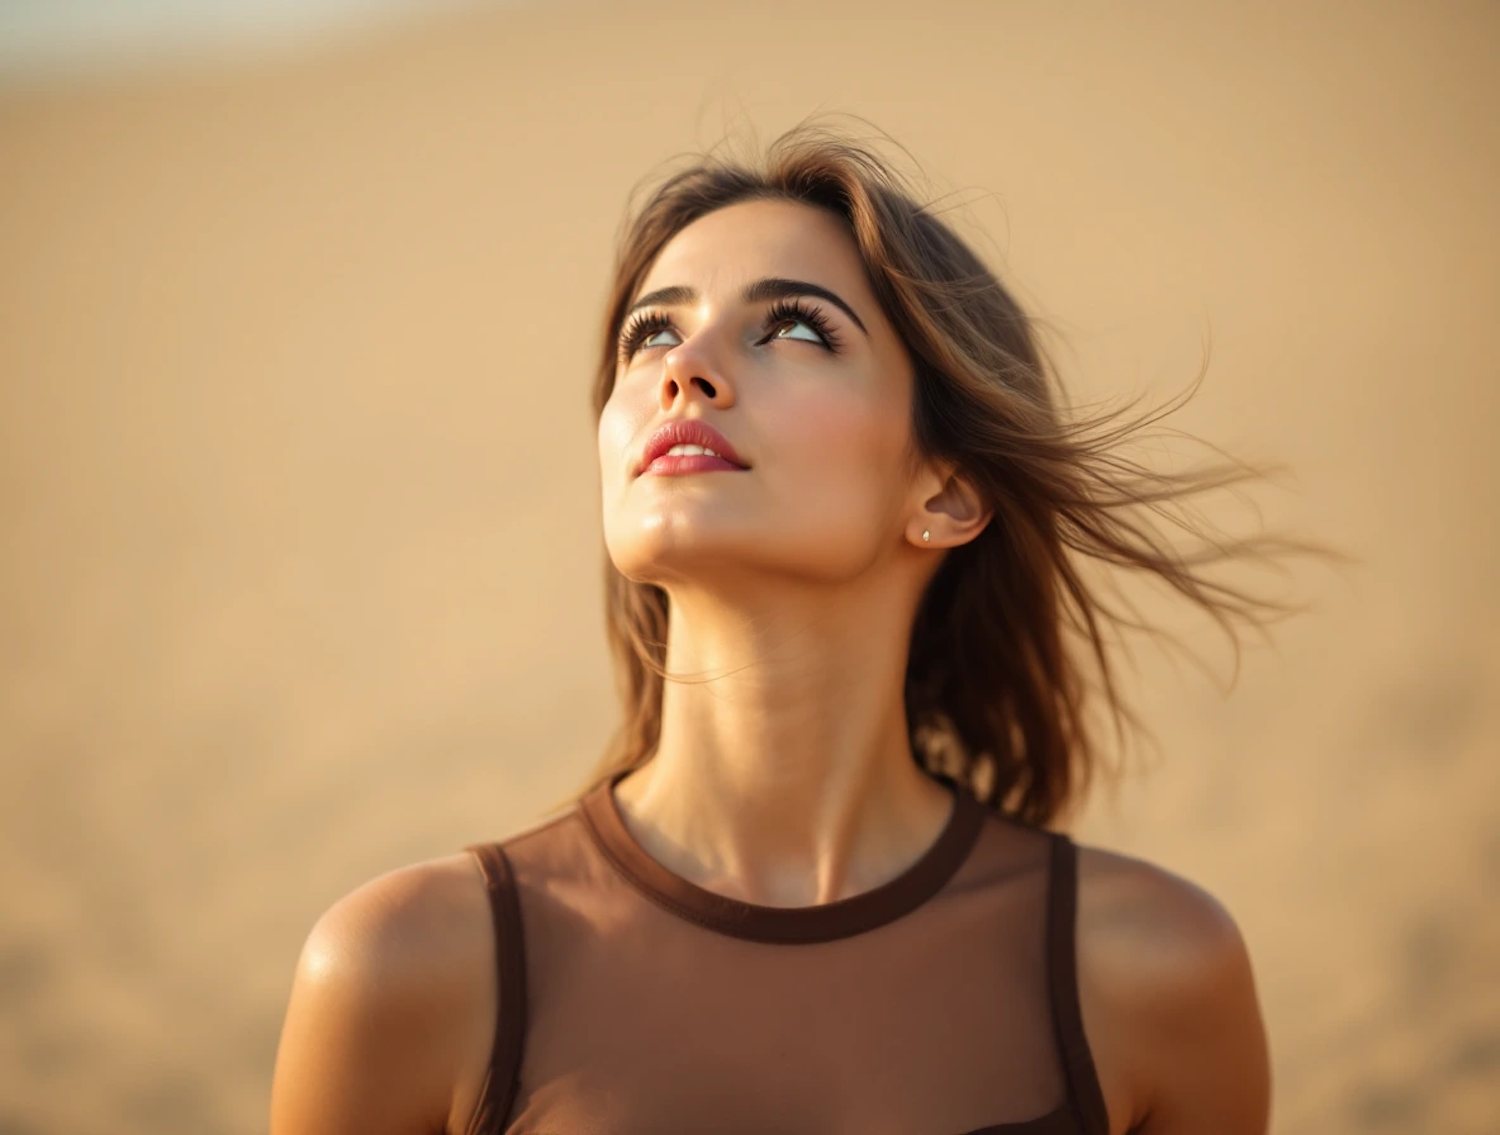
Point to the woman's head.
(893, 386)
(759, 319)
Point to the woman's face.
(818, 408)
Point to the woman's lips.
(687, 431)
(672, 466)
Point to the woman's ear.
(955, 513)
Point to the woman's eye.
(782, 323)
(816, 338)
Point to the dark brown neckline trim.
(820, 923)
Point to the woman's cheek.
(844, 434)
(617, 432)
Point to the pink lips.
(688, 431)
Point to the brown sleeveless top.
(943, 1002)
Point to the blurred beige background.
(298, 499)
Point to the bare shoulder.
(391, 1014)
(1169, 1001)
(402, 921)
(1141, 921)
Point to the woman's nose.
(690, 370)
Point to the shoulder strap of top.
(1085, 1096)
(499, 1088)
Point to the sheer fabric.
(943, 1002)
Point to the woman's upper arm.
(1169, 1003)
(381, 1027)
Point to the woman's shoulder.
(1167, 993)
(402, 921)
(1150, 920)
(393, 1003)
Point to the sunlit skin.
(783, 776)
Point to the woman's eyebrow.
(768, 288)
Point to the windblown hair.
(995, 698)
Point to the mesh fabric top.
(943, 1002)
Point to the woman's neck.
(784, 775)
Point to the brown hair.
(995, 700)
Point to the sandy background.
(299, 532)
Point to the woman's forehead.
(754, 239)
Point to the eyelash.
(647, 323)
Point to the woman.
(813, 887)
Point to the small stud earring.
(925, 535)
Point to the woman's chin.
(658, 535)
(672, 557)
